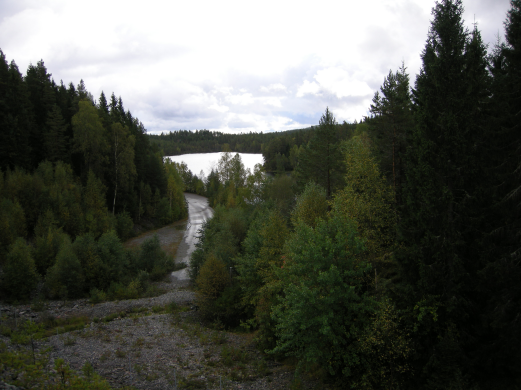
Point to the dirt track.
(169, 237)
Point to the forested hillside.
(390, 259)
(279, 150)
(76, 177)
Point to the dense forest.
(390, 259)
(76, 178)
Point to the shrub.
(97, 296)
(20, 276)
(150, 254)
(47, 247)
(113, 256)
(95, 272)
(211, 282)
(124, 225)
(65, 278)
(12, 224)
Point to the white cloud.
(339, 82)
(308, 88)
(220, 108)
(273, 87)
(242, 99)
(230, 64)
(272, 101)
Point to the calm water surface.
(206, 161)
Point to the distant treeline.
(279, 149)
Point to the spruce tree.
(440, 223)
(501, 278)
(321, 160)
(55, 139)
(42, 97)
(15, 117)
(393, 117)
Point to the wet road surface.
(198, 212)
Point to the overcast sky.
(233, 66)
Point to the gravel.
(150, 350)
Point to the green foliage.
(222, 237)
(211, 282)
(393, 119)
(311, 205)
(261, 286)
(124, 225)
(442, 221)
(385, 349)
(55, 140)
(368, 200)
(15, 118)
(123, 169)
(89, 137)
(282, 191)
(175, 187)
(112, 255)
(97, 219)
(20, 276)
(12, 224)
(325, 306)
(321, 159)
(94, 270)
(254, 191)
(46, 248)
(65, 278)
(153, 260)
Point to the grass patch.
(231, 355)
(120, 354)
(57, 325)
(192, 383)
(158, 309)
(139, 343)
(105, 356)
(69, 340)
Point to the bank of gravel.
(144, 347)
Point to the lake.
(206, 161)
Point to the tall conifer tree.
(16, 122)
(501, 278)
(55, 140)
(321, 161)
(393, 117)
(42, 97)
(440, 223)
